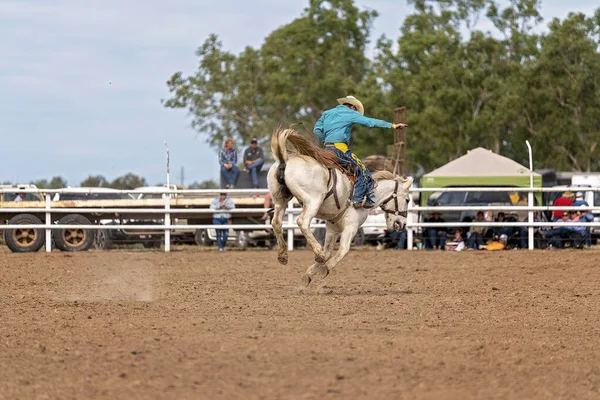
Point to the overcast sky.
(81, 80)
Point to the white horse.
(308, 173)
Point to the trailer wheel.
(202, 238)
(74, 239)
(26, 240)
(103, 239)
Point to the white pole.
(168, 172)
(167, 198)
(290, 231)
(48, 223)
(530, 197)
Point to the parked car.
(474, 198)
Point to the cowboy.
(334, 128)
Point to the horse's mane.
(387, 175)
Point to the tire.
(24, 240)
(359, 238)
(103, 240)
(74, 239)
(242, 239)
(201, 238)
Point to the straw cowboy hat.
(354, 101)
(569, 195)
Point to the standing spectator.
(20, 197)
(579, 200)
(222, 218)
(477, 233)
(566, 200)
(437, 235)
(254, 160)
(228, 159)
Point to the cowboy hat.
(354, 101)
(569, 194)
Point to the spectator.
(566, 200)
(222, 218)
(393, 237)
(254, 160)
(20, 197)
(228, 159)
(267, 204)
(502, 230)
(538, 233)
(458, 243)
(579, 200)
(436, 235)
(557, 236)
(496, 244)
(477, 233)
(578, 233)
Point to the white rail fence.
(413, 220)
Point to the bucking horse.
(312, 175)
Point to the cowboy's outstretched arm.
(318, 130)
(374, 123)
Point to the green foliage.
(56, 182)
(94, 181)
(207, 184)
(463, 87)
(128, 181)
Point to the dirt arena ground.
(236, 325)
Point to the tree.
(56, 182)
(561, 103)
(128, 181)
(94, 181)
(207, 184)
(297, 73)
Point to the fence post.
(167, 222)
(290, 231)
(48, 225)
(530, 219)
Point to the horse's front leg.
(277, 222)
(347, 236)
(330, 239)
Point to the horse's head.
(395, 205)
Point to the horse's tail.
(300, 146)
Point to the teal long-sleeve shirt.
(335, 125)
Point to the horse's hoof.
(306, 279)
(320, 259)
(283, 260)
(322, 271)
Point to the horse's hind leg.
(309, 210)
(277, 222)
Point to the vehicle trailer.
(182, 211)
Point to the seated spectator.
(578, 232)
(436, 236)
(228, 159)
(20, 197)
(458, 242)
(496, 244)
(538, 233)
(477, 233)
(566, 200)
(502, 230)
(391, 238)
(254, 160)
(560, 234)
